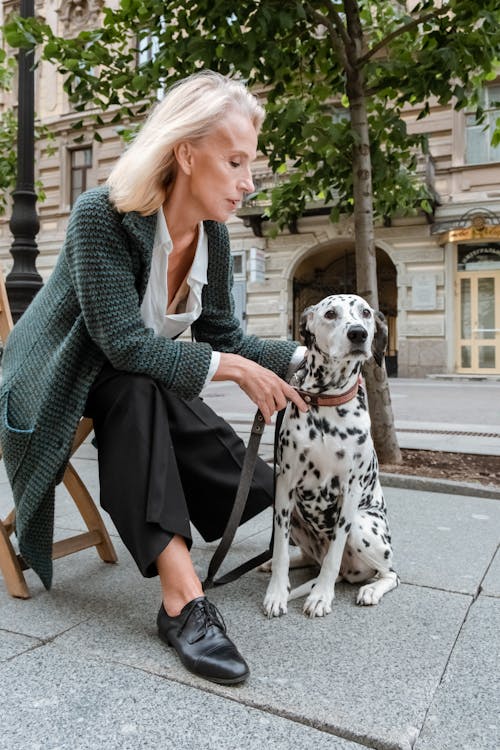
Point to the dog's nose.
(357, 334)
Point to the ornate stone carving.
(40, 10)
(76, 15)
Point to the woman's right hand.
(267, 390)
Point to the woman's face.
(217, 167)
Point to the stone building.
(439, 281)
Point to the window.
(478, 148)
(80, 163)
(148, 48)
(239, 265)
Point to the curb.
(446, 486)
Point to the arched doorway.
(332, 270)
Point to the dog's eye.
(330, 314)
(366, 313)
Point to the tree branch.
(339, 40)
(341, 29)
(402, 30)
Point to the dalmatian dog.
(329, 501)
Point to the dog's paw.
(318, 604)
(369, 595)
(275, 600)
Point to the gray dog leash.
(236, 514)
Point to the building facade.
(439, 280)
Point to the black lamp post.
(24, 281)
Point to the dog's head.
(345, 326)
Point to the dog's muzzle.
(357, 335)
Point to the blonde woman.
(144, 258)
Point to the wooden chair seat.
(12, 564)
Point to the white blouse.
(155, 302)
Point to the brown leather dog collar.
(317, 399)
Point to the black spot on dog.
(354, 431)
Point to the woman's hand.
(268, 391)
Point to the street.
(457, 402)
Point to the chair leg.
(89, 513)
(11, 567)
(84, 429)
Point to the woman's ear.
(184, 156)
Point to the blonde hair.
(190, 110)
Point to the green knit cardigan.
(89, 312)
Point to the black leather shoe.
(198, 634)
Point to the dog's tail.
(302, 590)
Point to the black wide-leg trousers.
(165, 462)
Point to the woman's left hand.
(266, 389)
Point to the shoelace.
(206, 614)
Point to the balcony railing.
(254, 204)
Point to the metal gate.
(340, 278)
(337, 278)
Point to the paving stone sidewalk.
(81, 667)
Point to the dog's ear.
(304, 331)
(380, 338)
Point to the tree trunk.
(377, 385)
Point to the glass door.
(479, 322)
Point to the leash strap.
(236, 513)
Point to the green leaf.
(306, 138)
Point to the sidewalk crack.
(474, 598)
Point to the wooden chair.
(12, 564)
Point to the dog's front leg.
(275, 601)
(319, 601)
